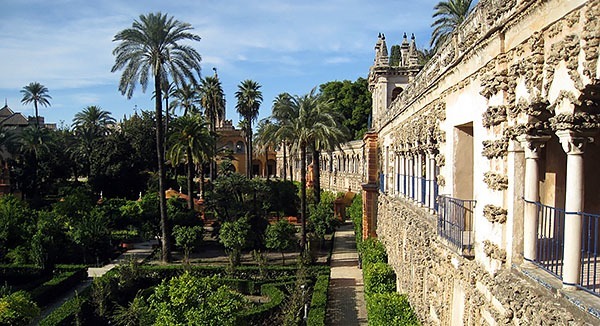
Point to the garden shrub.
(63, 281)
(379, 278)
(372, 251)
(255, 314)
(387, 309)
(17, 309)
(318, 304)
(66, 312)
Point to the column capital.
(573, 142)
(533, 144)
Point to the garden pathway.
(346, 302)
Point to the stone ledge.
(586, 302)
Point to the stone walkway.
(346, 302)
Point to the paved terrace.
(346, 302)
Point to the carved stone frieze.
(591, 38)
(566, 50)
(495, 181)
(495, 214)
(493, 251)
(494, 82)
(441, 180)
(494, 115)
(495, 148)
(578, 121)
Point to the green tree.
(249, 97)
(90, 126)
(17, 309)
(448, 14)
(395, 56)
(37, 94)
(137, 313)
(212, 99)
(281, 236)
(313, 123)
(266, 139)
(186, 98)
(234, 236)
(190, 300)
(16, 223)
(353, 101)
(191, 143)
(155, 47)
(189, 238)
(282, 113)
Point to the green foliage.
(355, 213)
(62, 281)
(373, 251)
(136, 313)
(234, 236)
(379, 278)
(318, 303)
(281, 236)
(395, 56)
(195, 301)
(17, 309)
(386, 309)
(353, 100)
(189, 238)
(16, 223)
(257, 313)
(321, 219)
(66, 311)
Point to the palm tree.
(191, 142)
(153, 47)
(311, 121)
(186, 98)
(37, 94)
(212, 99)
(34, 143)
(449, 15)
(89, 126)
(283, 114)
(249, 98)
(265, 139)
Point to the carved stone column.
(532, 146)
(431, 152)
(419, 176)
(370, 188)
(573, 144)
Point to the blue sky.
(286, 46)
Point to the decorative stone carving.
(495, 214)
(568, 50)
(591, 37)
(441, 180)
(494, 115)
(579, 121)
(493, 251)
(495, 181)
(440, 159)
(495, 148)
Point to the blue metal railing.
(550, 238)
(455, 223)
(590, 246)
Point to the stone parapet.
(445, 288)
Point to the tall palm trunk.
(37, 119)
(303, 193)
(190, 178)
(284, 161)
(160, 153)
(291, 166)
(316, 174)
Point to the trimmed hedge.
(318, 303)
(63, 281)
(65, 314)
(379, 278)
(392, 308)
(255, 314)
